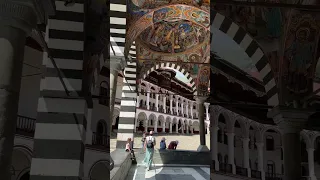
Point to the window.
(219, 136)
(269, 143)
(225, 139)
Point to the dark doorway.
(116, 124)
(26, 176)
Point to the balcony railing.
(25, 125)
(225, 168)
(255, 174)
(273, 176)
(241, 171)
(100, 140)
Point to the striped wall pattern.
(61, 123)
(176, 67)
(118, 14)
(128, 105)
(252, 49)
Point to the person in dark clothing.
(173, 145)
(163, 145)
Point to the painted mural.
(300, 52)
(203, 81)
(173, 37)
(260, 22)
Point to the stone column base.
(203, 148)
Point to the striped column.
(128, 106)
(118, 14)
(61, 124)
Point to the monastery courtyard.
(186, 142)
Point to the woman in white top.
(149, 145)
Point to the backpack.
(150, 142)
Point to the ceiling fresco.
(170, 30)
(174, 37)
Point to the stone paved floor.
(139, 172)
(186, 142)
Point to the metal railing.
(241, 171)
(255, 174)
(225, 168)
(25, 125)
(273, 176)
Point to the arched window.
(159, 123)
(269, 143)
(104, 93)
(151, 122)
(219, 136)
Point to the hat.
(163, 139)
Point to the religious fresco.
(260, 22)
(172, 13)
(300, 52)
(174, 37)
(203, 81)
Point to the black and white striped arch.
(251, 48)
(59, 137)
(176, 67)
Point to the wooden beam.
(267, 4)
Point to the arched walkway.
(252, 49)
(176, 67)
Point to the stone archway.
(176, 67)
(251, 48)
(100, 170)
(21, 162)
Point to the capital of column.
(245, 140)
(259, 144)
(24, 14)
(289, 120)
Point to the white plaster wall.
(30, 85)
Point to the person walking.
(149, 145)
(163, 145)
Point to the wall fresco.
(173, 37)
(203, 81)
(300, 52)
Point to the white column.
(148, 98)
(138, 101)
(157, 102)
(164, 126)
(170, 127)
(146, 125)
(177, 105)
(191, 129)
(156, 126)
(207, 111)
(164, 104)
(187, 109)
(187, 129)
(245, 144)
(182, 106)
(191, 109)
(171, 111)
(177, 128)
(260, 159)
(311, 163)
(231, 151)
(215, 147)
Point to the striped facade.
(59, 139)
(118, 13)
(252, 49)
(176, 67)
